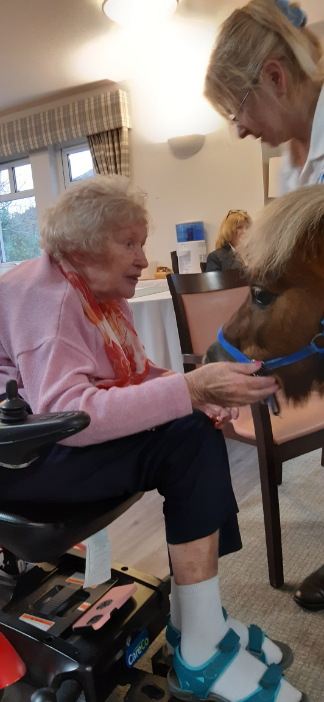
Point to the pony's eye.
(262, 297)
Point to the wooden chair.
(202, 303)
(175, 262)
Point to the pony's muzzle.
(217, 353)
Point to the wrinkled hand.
(229, 384)
(219, 415)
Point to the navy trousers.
(185, 460)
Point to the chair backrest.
(175, 262)
(203, 302)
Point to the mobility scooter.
(59, 638)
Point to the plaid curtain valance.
(110, 151)
(89, 116)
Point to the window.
(19, 235)
(77, 164)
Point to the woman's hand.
(219, 415)
(229, 384)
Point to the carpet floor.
(245, 588)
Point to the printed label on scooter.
(76, 579)
(137, 649)
(43, 624)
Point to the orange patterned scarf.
(124, 350)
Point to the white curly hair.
(84, 216)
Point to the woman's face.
(116, 272)
(264, 118)
(240, 228)
(266, 113)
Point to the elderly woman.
(266, 75)
(67, 336)
(232, 227)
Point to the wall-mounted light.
(186, 146)
(131, 12)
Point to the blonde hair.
(227, 231)
(84, 216)
(284, 224)
(250, 36)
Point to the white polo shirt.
(291, 177)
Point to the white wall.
(222, 176)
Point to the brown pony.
(284, 256)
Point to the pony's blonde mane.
(284, 223)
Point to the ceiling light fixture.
(131, 12)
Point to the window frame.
(65, 151)
(13, 195)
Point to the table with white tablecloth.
(156, 326)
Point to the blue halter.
(273, 364)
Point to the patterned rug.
(245, 588)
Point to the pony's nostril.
(217, 353)
(211, 353)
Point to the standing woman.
(266, 76)
(232, 227)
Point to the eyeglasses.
(235, 120)
(234, 212)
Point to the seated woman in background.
(232, 227)
(67, 337)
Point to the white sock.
(272, 652)
(202, 621)
(203, 627)
(175, 611)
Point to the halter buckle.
(262, 370)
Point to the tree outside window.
(19, 234)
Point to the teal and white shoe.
(190, 684)
(255, 644)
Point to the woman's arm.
(61, 375)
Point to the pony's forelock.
(281, 226)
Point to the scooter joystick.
(45, 694)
